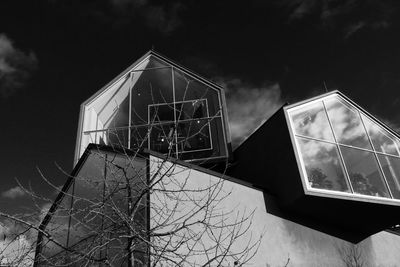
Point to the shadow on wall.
(314, 246)
(317, 245)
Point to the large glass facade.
(343, 149)
(157, 105)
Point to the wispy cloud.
(15, 67)
(301, 8)
(348, 16)
(354, 28)
(162, 16)
(13, 193)
(249, 106)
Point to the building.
(155, 179)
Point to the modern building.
(156, 181)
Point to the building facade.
(156, 182)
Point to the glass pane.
(312, 121)
(216, 142)
(323, 166)
(162, 113)
(193, 109)
(188, 88)
(381, 139)
(86, 217)
(151, 87)
(139, 137)
(364, 173)
(347, 124)
(58, 226)
(194, 135)
(391, 169)
(162, 138)
(115, 137)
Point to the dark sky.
(55, 54)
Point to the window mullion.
(130, 109)
(174, 101)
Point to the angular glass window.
(157, 104)
(381, 139)
(346, 123)
(311, 121)
(342, 148)
(323, 165)
(364, 173)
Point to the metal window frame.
(180, 121)
(299, 158)
(209, 84)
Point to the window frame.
(300, 161)
(176, 121)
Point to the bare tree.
(163, 220)
(127, 207)
(351, 255)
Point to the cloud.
(354, 28)
(17, 245)
(13, 193)
(249, 106)
(16, 67)
(163, 17)
(302, 8)
(348, 16)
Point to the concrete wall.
(285, 242)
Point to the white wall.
(283, 240)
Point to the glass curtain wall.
(159, 107)
(343, 150)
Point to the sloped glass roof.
(343, 150)
(158, 105)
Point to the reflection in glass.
(88, 191)
(58, 227)
(150, 107)
(323, 166)
(151, 88)
(380, 138)
(364, 173)
(346, 124)
(391, 169)
(188, 88)
(312, 121)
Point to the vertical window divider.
(338, 148)
(174, 101)
(375, 155)
(130, 109)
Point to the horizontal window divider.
(178, 102)
(344, 145)
(152, 124)
(351, 195)
(155, 68)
